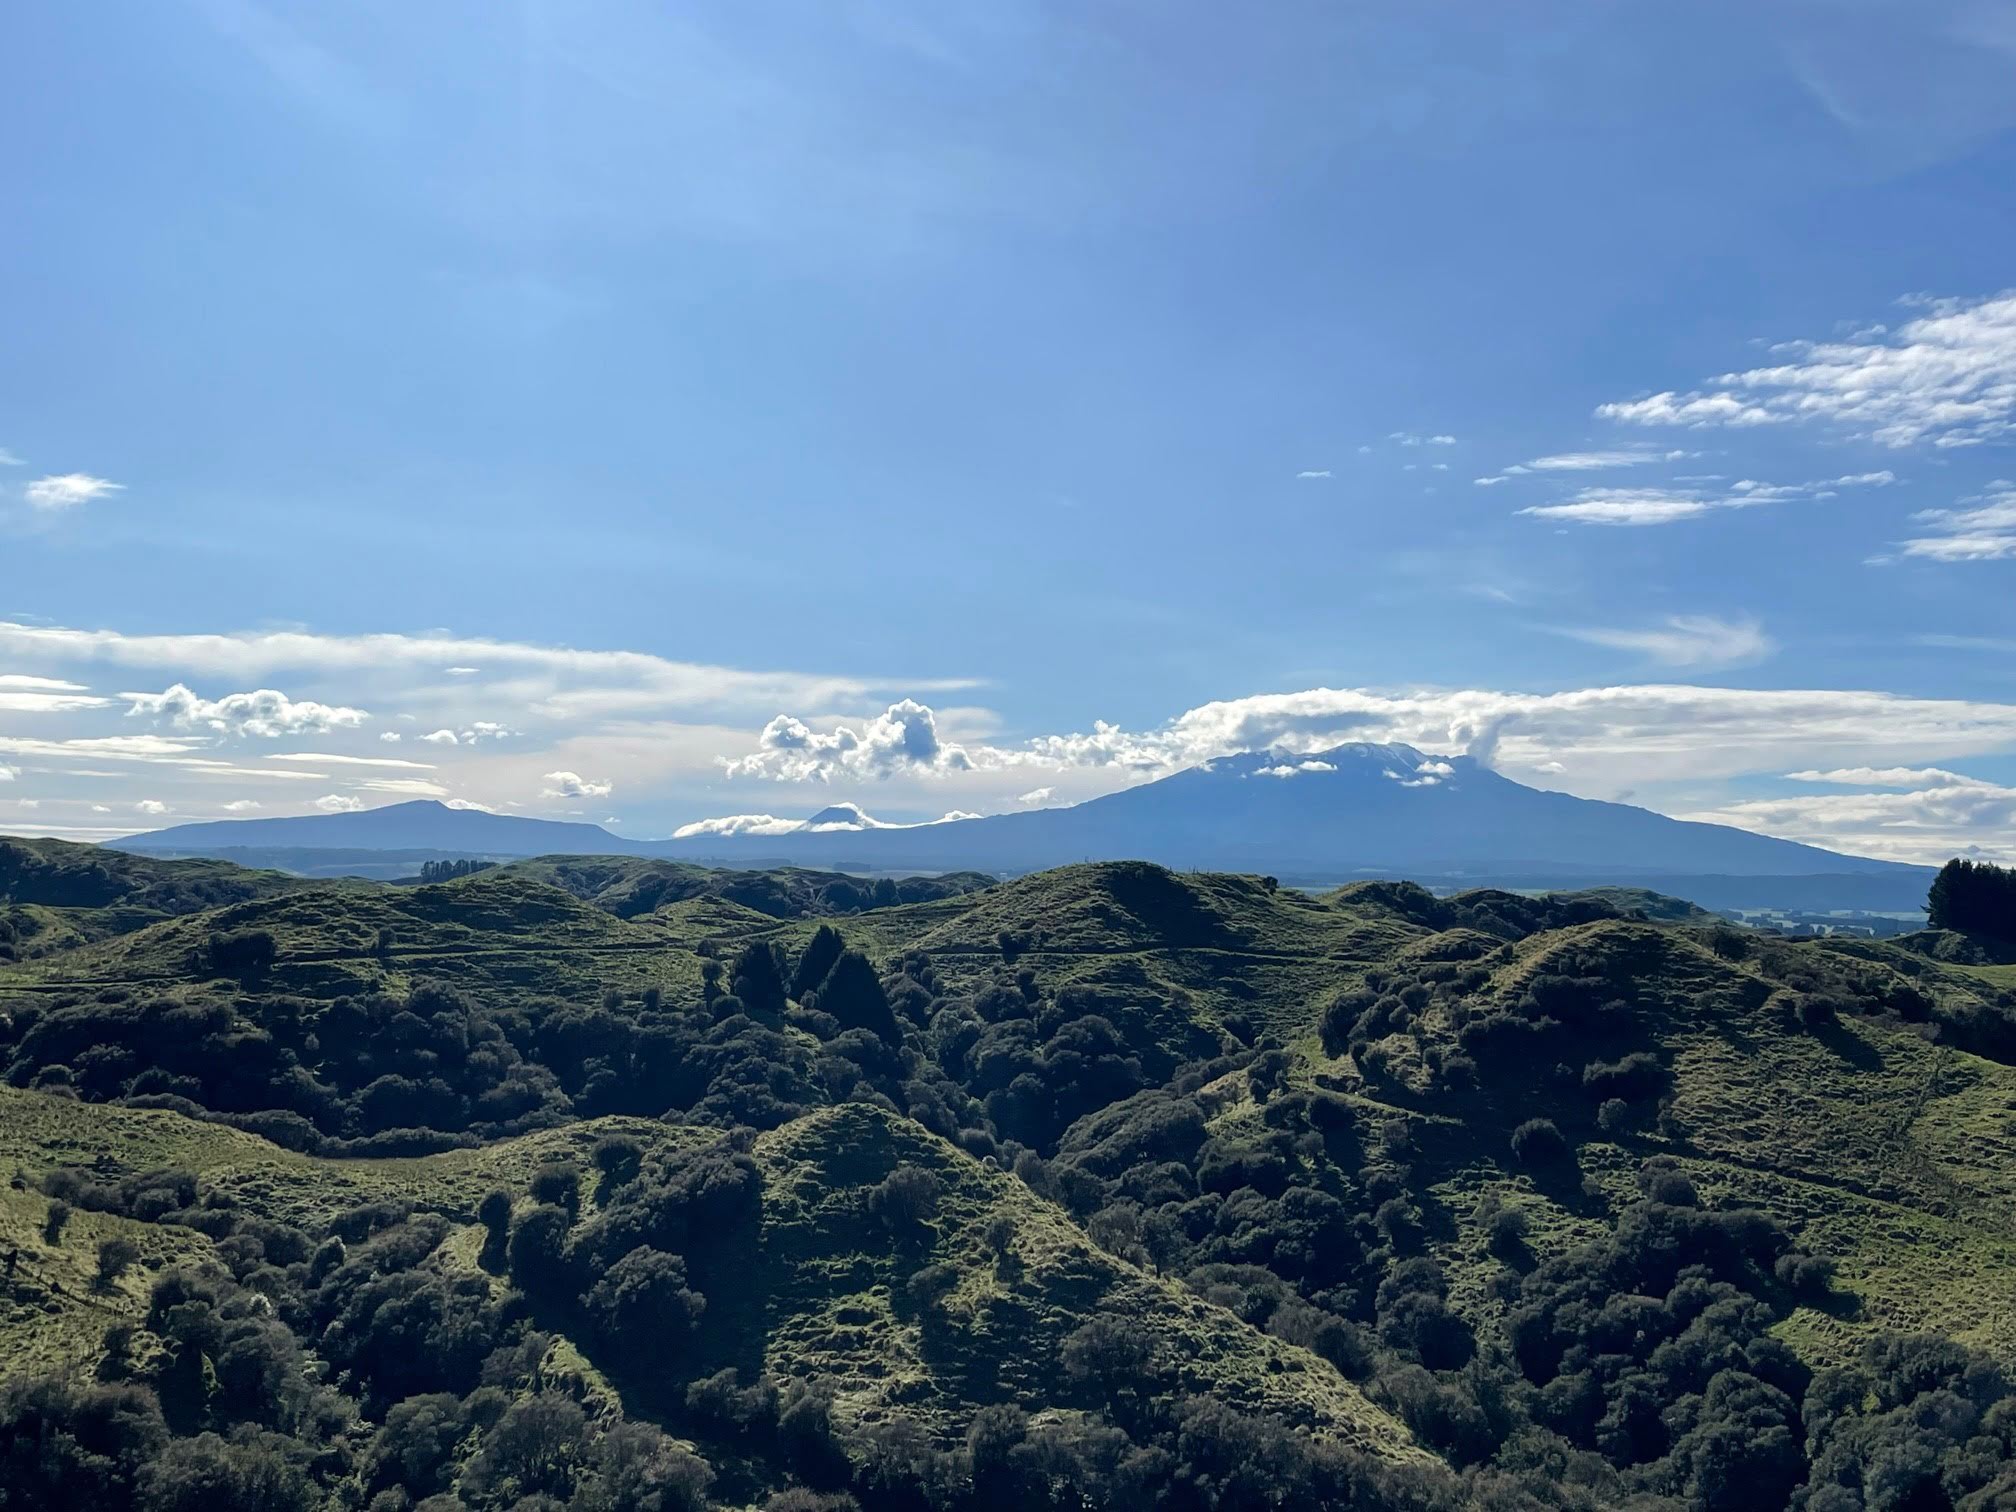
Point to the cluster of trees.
(1974, 897)
(628, 889)
(448, 871)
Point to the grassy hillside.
(55, 895)
(1185, 1187)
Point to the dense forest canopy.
(1105, 1187)
(1974, 897)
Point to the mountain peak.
(842, 816)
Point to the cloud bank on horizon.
(668, 741)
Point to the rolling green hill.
(1104, 1186)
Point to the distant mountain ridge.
(1358, 809)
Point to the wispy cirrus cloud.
(1667, 505)
(1696, 642)
(324, 758)
(22, 694)
(1946, 376)
(1605, 459)
(1985, 531)
(553, 682)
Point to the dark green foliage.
(243, 953)
(250, 1472)
(758, 979)
(116, 1256)
(1537, 1142)
(448, 871)
(642, 1303)
(538, 1250)
(1974, 897)
(1108, 1354)
(852, 994)
(906, 1198)
(816, 962)
(558, 1185)
(618, 1159)
(67, 1445)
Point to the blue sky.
(1099, 387)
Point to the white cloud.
(28, 803)
(1607, 736)
(1889, 777)
(408, 787)
(1588, 461)
(470, 734)
(1036, 795)
(7, 774)
(338, 803)
(574, 785)
(389, 736)
(1985, 532)
(241, 805)
(150, 806)
(1686, 640)
(154, 750)
(22, 694)
(264, 712)
(1947, 815)
(324, 758)
(1294, 768)
(553, 682)
(1410, 438)
(1664, 506)
(461, 671)
(68, 490)
(9, 459)
(1624, 506)
(903, 738)
(1947, 376)
(1313, 474)
(739, 824)
(833, 819)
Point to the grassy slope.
(1884, 1150)
(507, 936)
(827, 1291)
(38, 1133)
(831, 1293)
(60, 895)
